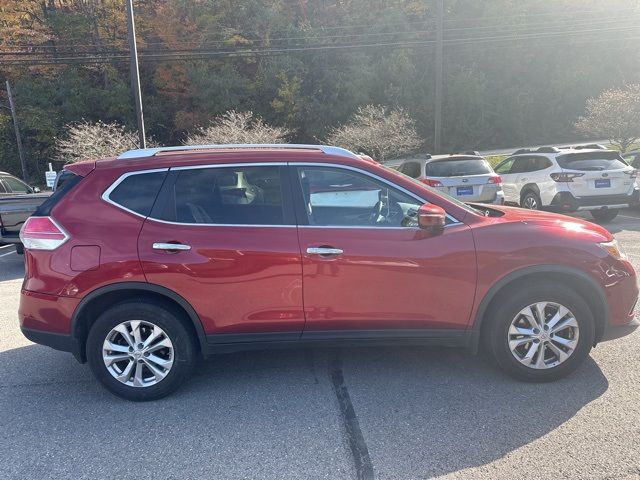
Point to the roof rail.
(150, 152)
(593, 146)
(548, 150)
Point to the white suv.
(569, 179)
(467, 177)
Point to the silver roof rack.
(150, 152)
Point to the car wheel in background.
(530, 200)
(540, 333)
(140, 350)
(603, 216)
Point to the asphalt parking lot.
(384, 413)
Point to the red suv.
(140, 264)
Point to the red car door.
(368, 267)
(224, 238)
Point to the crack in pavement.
(355, 439)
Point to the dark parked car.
(17, 201)
(141, 263)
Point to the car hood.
(569, 226)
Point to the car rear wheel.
(539, 334)
(603, 216)
(530, 200)
(140, 351)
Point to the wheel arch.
(529, 187)
(586, 287)
(96, 301)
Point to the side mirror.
(431, 218)
(36, 190)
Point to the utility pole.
(135, 73)
(18, 138)
(437, 111)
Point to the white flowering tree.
(237, 127)
(379, 132)
(87, 140)
(614, 114)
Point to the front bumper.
(566, 202)
(611, 332)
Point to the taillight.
(495, 180)
(565, 176)
(632, 173)
(42, 233)
(431, 183)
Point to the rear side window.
(138, 191)
(458, 168)
(16, 186)
(592, 161)
(226, 196)
(411, 169)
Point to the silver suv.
(467, 177)
(570, 179)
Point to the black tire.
(19, 249)
(153, 312)
(530, 200)
(604, 216)
(506, 308)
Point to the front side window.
(342, 198)
(16, 186)
(226, 196)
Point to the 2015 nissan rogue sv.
(140, 264)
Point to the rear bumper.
(57, 341)
(566, 202)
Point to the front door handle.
(171, 246)
(324, 251)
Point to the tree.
(238, 127)
(379, 132)
(614, 114)
(87, 141)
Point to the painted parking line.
(6, 254)
(4, 247)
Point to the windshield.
(592, 161)
(458, 168)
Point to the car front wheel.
(140, 351)
(541, 333)
(531, 201)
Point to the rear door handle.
(324, 251)
(171, 246)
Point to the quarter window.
(411, 169)
(337, 197)
(226, 196)
(138, 192)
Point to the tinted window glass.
(458, 168)
(505, 166)
(411, 169)
(2, 187)
(16, 186)
(540, 163)
(138, 192)
(227, 196)
(65, 181)
(523, 165)
(336, 197)
(592, 161)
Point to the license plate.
(465, 190)
(603, 183)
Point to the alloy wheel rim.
(543, 335)
(531, 203)
(138, 353)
